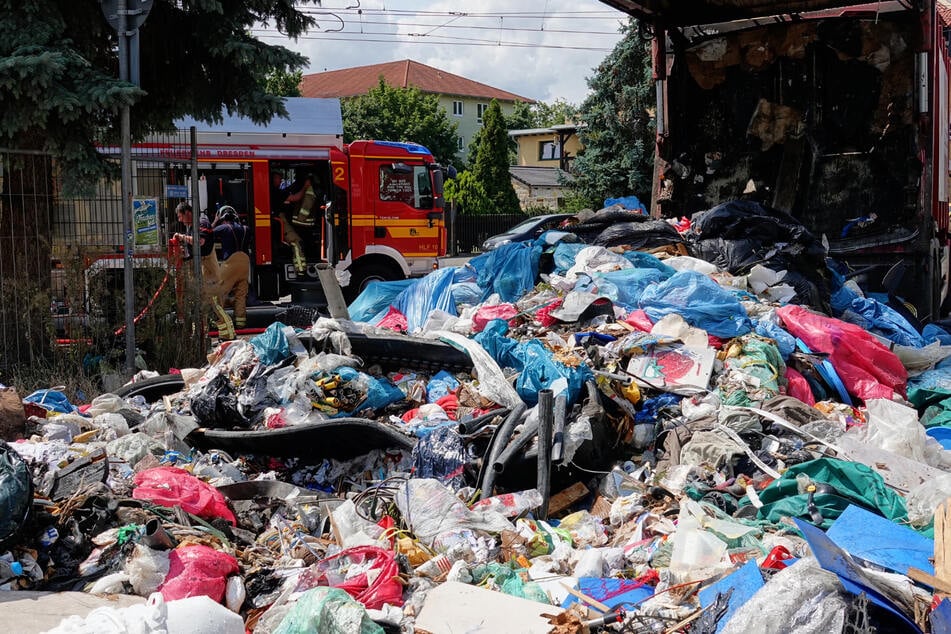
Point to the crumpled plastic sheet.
(432, 510)
(376, 298)
(802, 598)
(876, 317)
(16, 491)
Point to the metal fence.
(469, 232)
(62, 268)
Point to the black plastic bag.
(16, 492)
(216, 405)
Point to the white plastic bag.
(431, 509)
(147, 569)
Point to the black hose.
(558, 431)
(546, 421)
(473, 425)
(524, 437)
(501, 439)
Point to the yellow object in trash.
(631, 392)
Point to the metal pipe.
(469, 427)
(156, 537)
(546, 420)
(499, 441)
(125, 128)
(558, 430)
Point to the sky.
(540, 49)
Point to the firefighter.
(235, 265)
(303, 196)
(279, 209)
(209, 264)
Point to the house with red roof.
(464, 100)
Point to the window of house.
(549, 151)
(461, 142)
(482, 107)
(457, 108)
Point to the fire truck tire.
(363, 274)
(153, 389)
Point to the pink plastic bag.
(487, 313)
(639, 319)
(867, 368)
(196, 570)
(171, 486)
(394, 320)
(348, 570)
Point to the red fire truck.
(379, 206)
(835, 111)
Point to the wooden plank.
(942, 543)
(921, 576)
(561, 501)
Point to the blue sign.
(176, 191)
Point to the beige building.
(543, 164)
(463, 99)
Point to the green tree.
(558, 112)
(491, 164)
(467, 194)
(400, 114)
(283, 83)
(618, 137)
(60, 95)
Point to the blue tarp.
(510, 270)
(423, 296)
(375, 299)
(874, 316)
(700, 301)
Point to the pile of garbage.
(568, 435)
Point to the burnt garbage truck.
(377, 213)
(833, 112)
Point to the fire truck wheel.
(365, 273)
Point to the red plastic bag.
(867, 368)
(171, 486)
(799, 387)
(348, 570)
(543, 314)
(487, 313)
(195, 570)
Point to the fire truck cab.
(378, 208)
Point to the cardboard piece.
(673, 366)
(456, 607)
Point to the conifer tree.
(491, 164)
(618, 137)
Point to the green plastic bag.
(507, 578)
(854, 483)
(325, 610)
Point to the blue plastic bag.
(423, 296)
(785, 342)
(628, 202)
(271, 345)
(565, 255)
(932, 333)
(535, 364)
(510, 270)
(874, 316)
(440, 385)
(51, 401)
(380, 392)
(700, 301)
(375, 299)
(625, 286)
(643, 260)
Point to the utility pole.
(126, 16)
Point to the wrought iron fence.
(62, 268)
(469, 232)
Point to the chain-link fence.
(62, 299)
